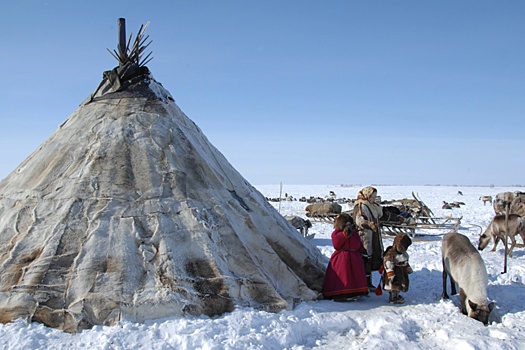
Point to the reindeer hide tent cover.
(128, 212)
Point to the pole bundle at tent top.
(128, 52)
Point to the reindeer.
(514, 202)
(496, 231)
(331, 196)
(322, 209)
(299, 223)
(502, 201)
(464, 265)
(446, 205)
(486, 199)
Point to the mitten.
(372, 226)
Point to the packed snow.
(425, 321)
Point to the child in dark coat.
(397, 268)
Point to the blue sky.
(299, 92)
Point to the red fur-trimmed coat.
(345, 275)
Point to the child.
(397, 268)
(345, 275)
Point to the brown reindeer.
(322, 209)
(496, 231)
(486, 199)
(299, 223)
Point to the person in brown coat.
(397, 268)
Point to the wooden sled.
(430, 227)
(425, 224)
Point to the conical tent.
(128, 212)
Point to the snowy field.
(423, 322)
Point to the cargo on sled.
(410, 216)
(415, 218)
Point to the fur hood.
(402, 242)
(363, 197)
(344, 222)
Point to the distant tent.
(128, 212)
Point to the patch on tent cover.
(239, 199)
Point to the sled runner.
(423, 226)
(328, 218)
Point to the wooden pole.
(122, 39)
(507, 205)
(280, 195)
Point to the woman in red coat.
(345, 275)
